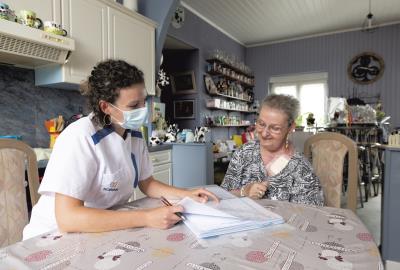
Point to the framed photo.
(210, 85)
(158, 111)
(184, 109)
(183, 83)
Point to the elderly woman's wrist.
(244, 190)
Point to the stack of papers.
(227, 216)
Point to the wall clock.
(178, 18)
(365, 68)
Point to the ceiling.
(256, 22)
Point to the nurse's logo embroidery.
(113, 186)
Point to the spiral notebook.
(228, 216)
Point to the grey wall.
(24, 107)
(205, 38)
(161, 12)
(331, 54)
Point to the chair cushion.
(327, 159)
(13, 207)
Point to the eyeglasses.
(273, 129)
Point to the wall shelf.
(217, 73)
(243, 84)
(215, 60)
(230, 97)
(232, 110)
(228, 126)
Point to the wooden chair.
(327, 151)
(15, 157)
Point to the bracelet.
(242, 191)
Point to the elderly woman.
(269, 167)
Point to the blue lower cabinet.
(390, 205)
(192, 164)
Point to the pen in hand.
(167, 203)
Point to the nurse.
(98, 160)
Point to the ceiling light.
(370, 24)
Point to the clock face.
(178, 18)
(366, 68)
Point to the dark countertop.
(159, 147)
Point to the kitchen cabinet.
(137, 47)
(192, 165)
(101, 29)
(79, 19)
(162, 169)
(46, 10)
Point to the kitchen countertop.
(159, 147)
(167, 146)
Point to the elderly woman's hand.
(256, 190)
(201, 195)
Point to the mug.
(54, 28)
(4, 11)
(189, 137)
(28, 18)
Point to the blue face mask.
(133, 119)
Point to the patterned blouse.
(295, 183)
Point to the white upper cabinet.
(46, 10)
(132, 39)
(101, 29)
(85, 21)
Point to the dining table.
(312, 237)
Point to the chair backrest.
(15, 156)
(327, 151)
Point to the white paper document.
(227, 216)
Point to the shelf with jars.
(230, 61)
(226, 121)
(229, 66)
(236, 106)
(220, 71)
(229, 83)
(230, 97)
(228, 89)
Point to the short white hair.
(287, 104)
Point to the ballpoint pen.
(167, 203)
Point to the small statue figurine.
(154, 141)
(200, 133)
(310, 120)
(171, 134)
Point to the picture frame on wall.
(210, 85)
(184, 109)
(183, 83)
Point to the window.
(310, 89)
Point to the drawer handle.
(154, 159)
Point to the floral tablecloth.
(311, 238)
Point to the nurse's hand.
(201, 195)
(163, 217)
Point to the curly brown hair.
(105, 82)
